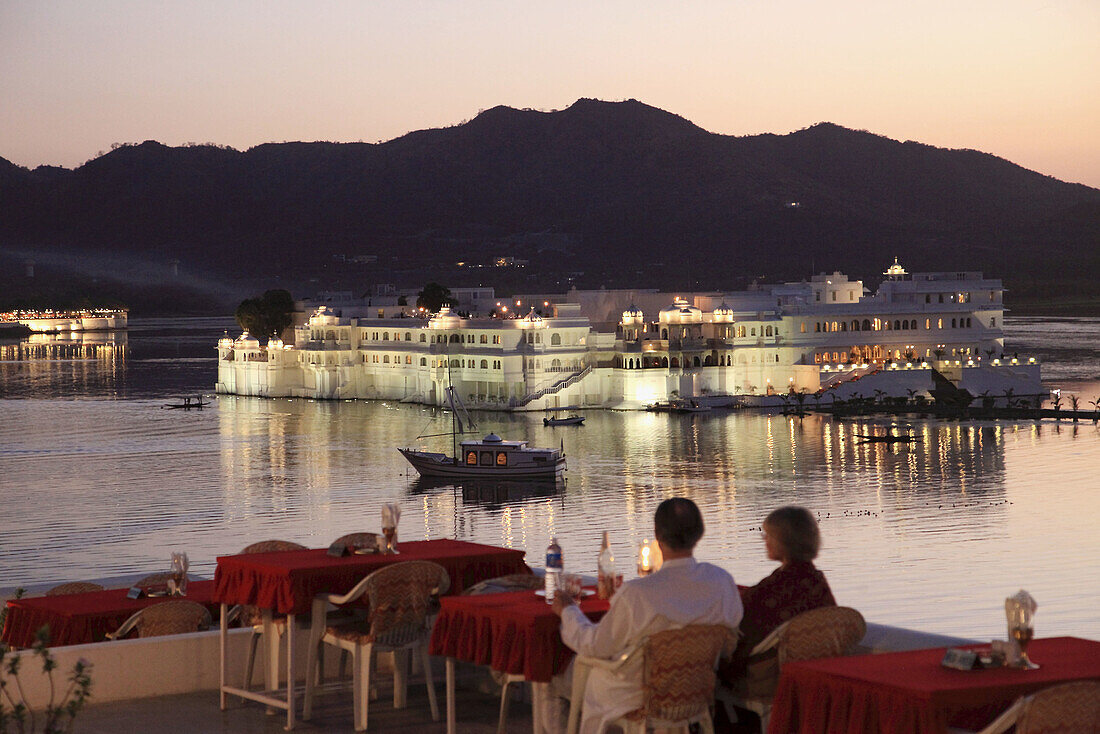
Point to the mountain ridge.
(641, 192)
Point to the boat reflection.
(491, 492)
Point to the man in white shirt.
(682, 592)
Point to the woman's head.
(791, 534)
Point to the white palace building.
(626, 349)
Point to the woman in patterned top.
(791, 537)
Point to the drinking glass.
(1020, 612)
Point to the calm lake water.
(97, 480)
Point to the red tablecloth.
(513, 632)
(76, 619)
(287, 581)
(911, 692)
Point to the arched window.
(855, 324)
(897, 325)
(455, 363)
(817, 327)
(423, 337)
(844, 326)
(752, 331)
(709, 361)
(385, 336)
(866, 324)
(555, 365)
(555, 339)
(484, 339)
(331, 335)
(675, 362)
(664, 333)
(385, 358)
(695, 361)
(408, 359)
(953, 326)
(484, 364)
(408, 336)
(423, 361)
(769, 331)
(664, 361)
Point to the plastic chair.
(175, 617)
(252, 616)
(74, 587)
(1069, 707)
(825, 632)
(502, 585)
(678, 678)
(400, 599)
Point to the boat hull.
(437, 465)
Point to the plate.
(366, 551)
(156, 593)
(584, 592)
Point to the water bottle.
(605, 566)
(554, 568)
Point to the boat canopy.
(495, 440)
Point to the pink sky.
(1017, 79)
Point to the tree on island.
(267, 316)
(434, 297)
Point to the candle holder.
(649, 557)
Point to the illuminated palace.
(625, 349)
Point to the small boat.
(572, 420)
(888, 438)
(187, 404)
(489, 457)
(679, 406)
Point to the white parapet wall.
(161, 666)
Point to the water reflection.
(932, 534)
(53, 364)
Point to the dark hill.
(638, 195)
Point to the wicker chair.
(74, 587)
(501, 585)
(678, 677)
(825, 632)
(175, 617)
(252, 616)
(1069, 707)
(358, 540)
(400, 598)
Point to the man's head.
(678, 524)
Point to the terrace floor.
(198, 713)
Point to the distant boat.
(488, 458)
(187, 404)
(888, 437)
(572, 420)
(679, 406)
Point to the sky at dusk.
(1014, 78)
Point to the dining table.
(912, 693)
(286, 582)
(78, 619)
(515, 633)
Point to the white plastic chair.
(400, 598)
